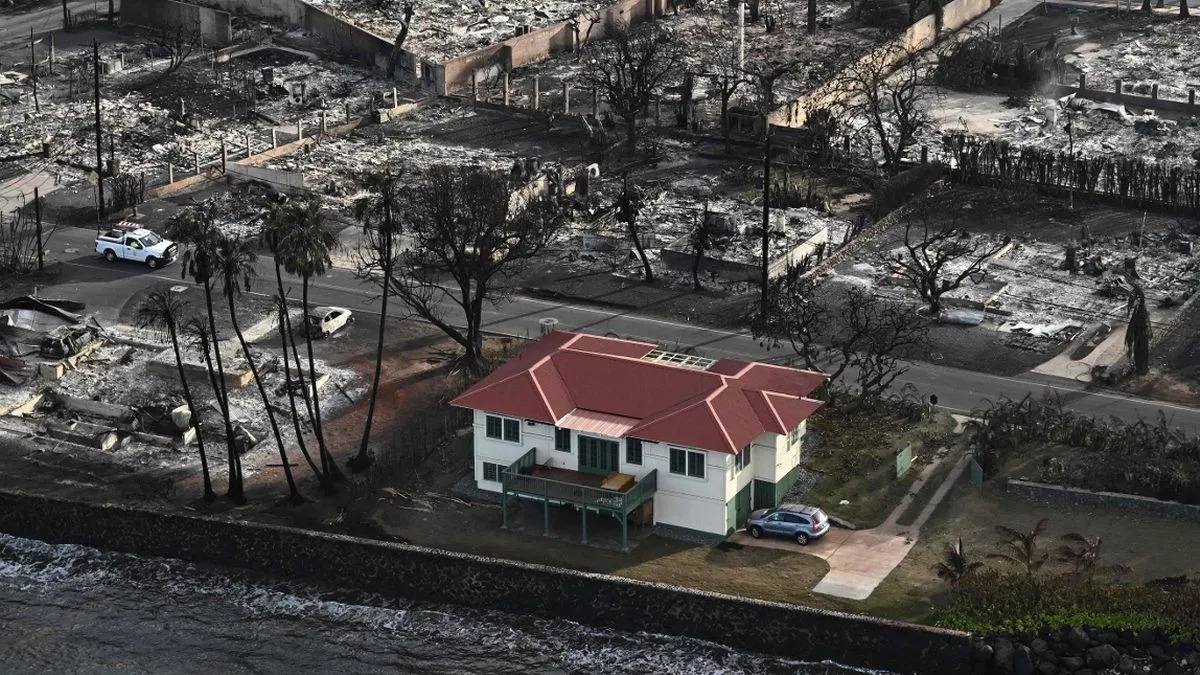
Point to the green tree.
(955, 565)
(379, 213)
(195, 229)
(163, 311)
(1022, 549)
(285, 235)
(234, 263)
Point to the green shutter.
(493, 427)
(512, 431)
(678, 461)
(633, 451)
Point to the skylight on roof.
(677, 359)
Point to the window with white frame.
(793, 437)
(687, 463)
(742, 459)
(492, 471)
(562, 439)
(633, 451)
(502, 428)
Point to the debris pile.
(1161, 53)
(444, 30)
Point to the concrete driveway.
(858, 559)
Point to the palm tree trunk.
(326, 485)
(236, 493)
(209, 495)
(362, 460)
(285, 331)
(294, 492)
(314, 399)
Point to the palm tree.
(285, 329)
(379, 214)
(1139, 332)
(306, 251)
(195, 228)
(1081, 553)
(163, 312)
(276, 233)
(1021, 548)
(955, 566)
(233, 263)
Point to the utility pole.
(37, 214)
(741, 43)
(99, 145)
(33, 71)
(766, 233)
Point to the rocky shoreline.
(1079, 651)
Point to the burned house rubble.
(65, 379)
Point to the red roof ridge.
(724, 432)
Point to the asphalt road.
(43, 17)
(106, 287)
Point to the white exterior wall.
(502, 452)
(681, 501)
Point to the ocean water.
(73, 609)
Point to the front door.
(598, 456)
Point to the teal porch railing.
(518, 480)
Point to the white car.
(140, 245)
(325, 321)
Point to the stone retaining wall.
(1069, 496)
(445, 577)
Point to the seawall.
(431, 575)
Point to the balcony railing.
(519, 478)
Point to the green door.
(598, 456)
(738, 508)
(764, 494)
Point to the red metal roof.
(721, 408)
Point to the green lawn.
(857, 462)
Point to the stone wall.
(211, 24)
(445, 577)
(1075, 650)
(1069, 496)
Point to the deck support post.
(585, 525)
(624, 534)
(546, 516)
(504, 508)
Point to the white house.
(621, 428)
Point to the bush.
(1167, 466)
(995, 602)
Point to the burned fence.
(1127, 181)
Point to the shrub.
(991, 601)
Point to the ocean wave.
(526, 643)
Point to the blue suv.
(801, 524)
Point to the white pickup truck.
(140, 245)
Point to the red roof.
(723, 407)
